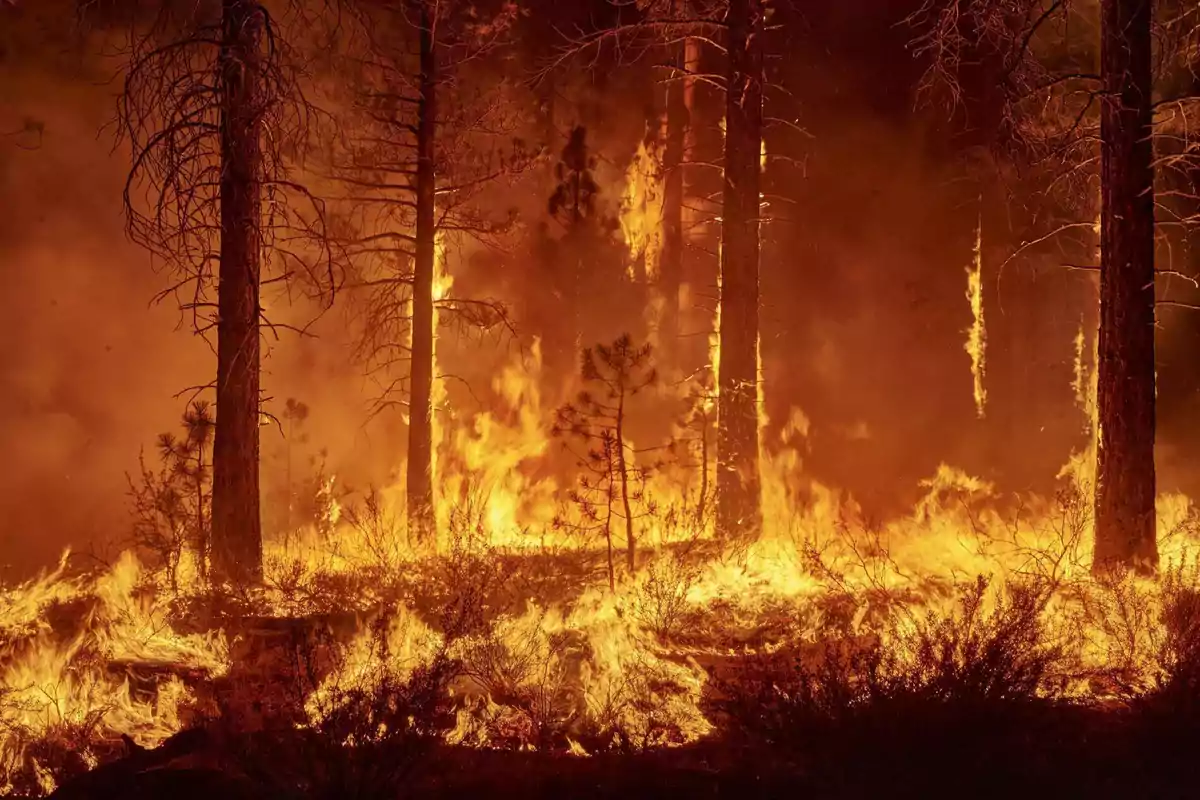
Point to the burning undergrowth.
(827, 626)
(609, 619)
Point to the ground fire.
(585, 399)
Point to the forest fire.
(568, 663)
(601, 520)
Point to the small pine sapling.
(172, 506)
(611, 484)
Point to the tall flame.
(976, 345)
(642, 208)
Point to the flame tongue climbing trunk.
(237, 532)
(738, 485)
(1125, 461)
(420, 428)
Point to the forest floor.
(744, 695)
(949, 750)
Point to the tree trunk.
(608, 510)
(623, 469)
(1125, 490)
(420, 425)
(671, 269)
(237, 527)
(738, 485)
(201, 543)
(702, 504)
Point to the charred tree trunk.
(420, 426)
(237, 527)
(623, 470)
(702, 503)
(202, 534)
(671, 269)
(612, 572)
(1125, 460)
(738, 485)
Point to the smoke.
(87, 370)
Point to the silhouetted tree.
(424, 145)
(612, 484)
(573, 204)
(1125, 493)
(172, 505)
(211, 104)
(678, 122)
(1057, 113)
(693, 445)
(741, 29)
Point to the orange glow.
(634, 658)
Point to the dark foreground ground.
(1062, 753)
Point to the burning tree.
(1125, 518)
(1090, 134)
(212, 106)
(738, 29)
(678, 148)
(612, 484)
(424, 146)
(739, 490)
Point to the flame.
(55, 682)
(491, 452)
(642, 208)
(976, 345)
(442, 282)
(628, 661)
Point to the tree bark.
(420, 427)
(623, 469)
(739, 494)
(1125, 520)
(671, 269)
(202, 527)
(237, 528)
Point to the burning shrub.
(969, 662)
(660, 599)
(373, 706)
(520, 665)
(34, 762)
(465, 589)
(382, 532)
(1170, 700)
(650, 703)
(365, 746)
(393, 646)
(555, 682)
(171, 505)
(1178, 654)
